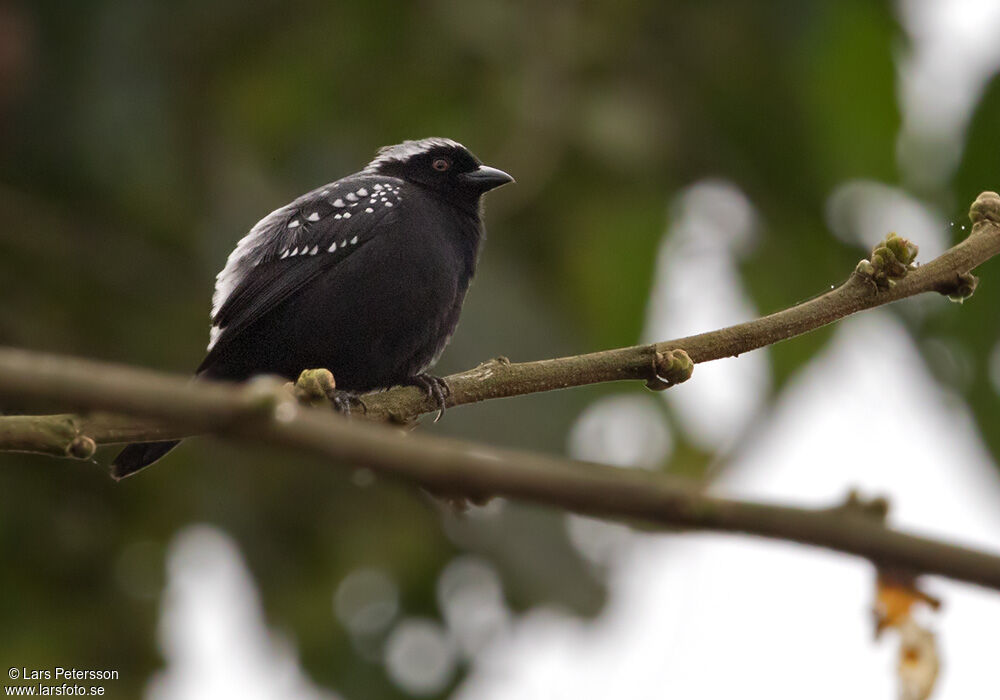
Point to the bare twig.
(948, 274)
(167, 407)
(264, 412)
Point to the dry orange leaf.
(918, 662)
(895, 598)
(917, 668)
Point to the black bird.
(364, 276)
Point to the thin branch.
(947, 274)
(264, 412)
(57, 434)
(499, 378)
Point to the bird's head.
(441, 165)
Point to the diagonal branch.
(499, 378)
(947, 274)
(263, 412)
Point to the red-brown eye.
(441, 164)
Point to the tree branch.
(947, 274)
(500, 378)
(262, 411)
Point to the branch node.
(315, 387)
(489, 369)
(985, 208)
(499, 362)
(890, 260)
(876, 508)
(864, 268)
(669, 368)
(961, 288)
(81, 447)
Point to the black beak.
(484, 178)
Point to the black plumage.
(364, 276)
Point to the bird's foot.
(344, 402)
(435, 387)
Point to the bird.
(364, 276)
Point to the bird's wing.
(292, 246)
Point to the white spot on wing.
(369, 210)
(315, 249)
(351, 197)
(362, 192)
(314, 216)
(273, 232)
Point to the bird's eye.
(441, 164)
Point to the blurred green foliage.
(140, 139)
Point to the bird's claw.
(343, 402)
(436, 388)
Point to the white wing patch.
(213, 336)
(261, 239)
(247, 253)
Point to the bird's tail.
(139, 455)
